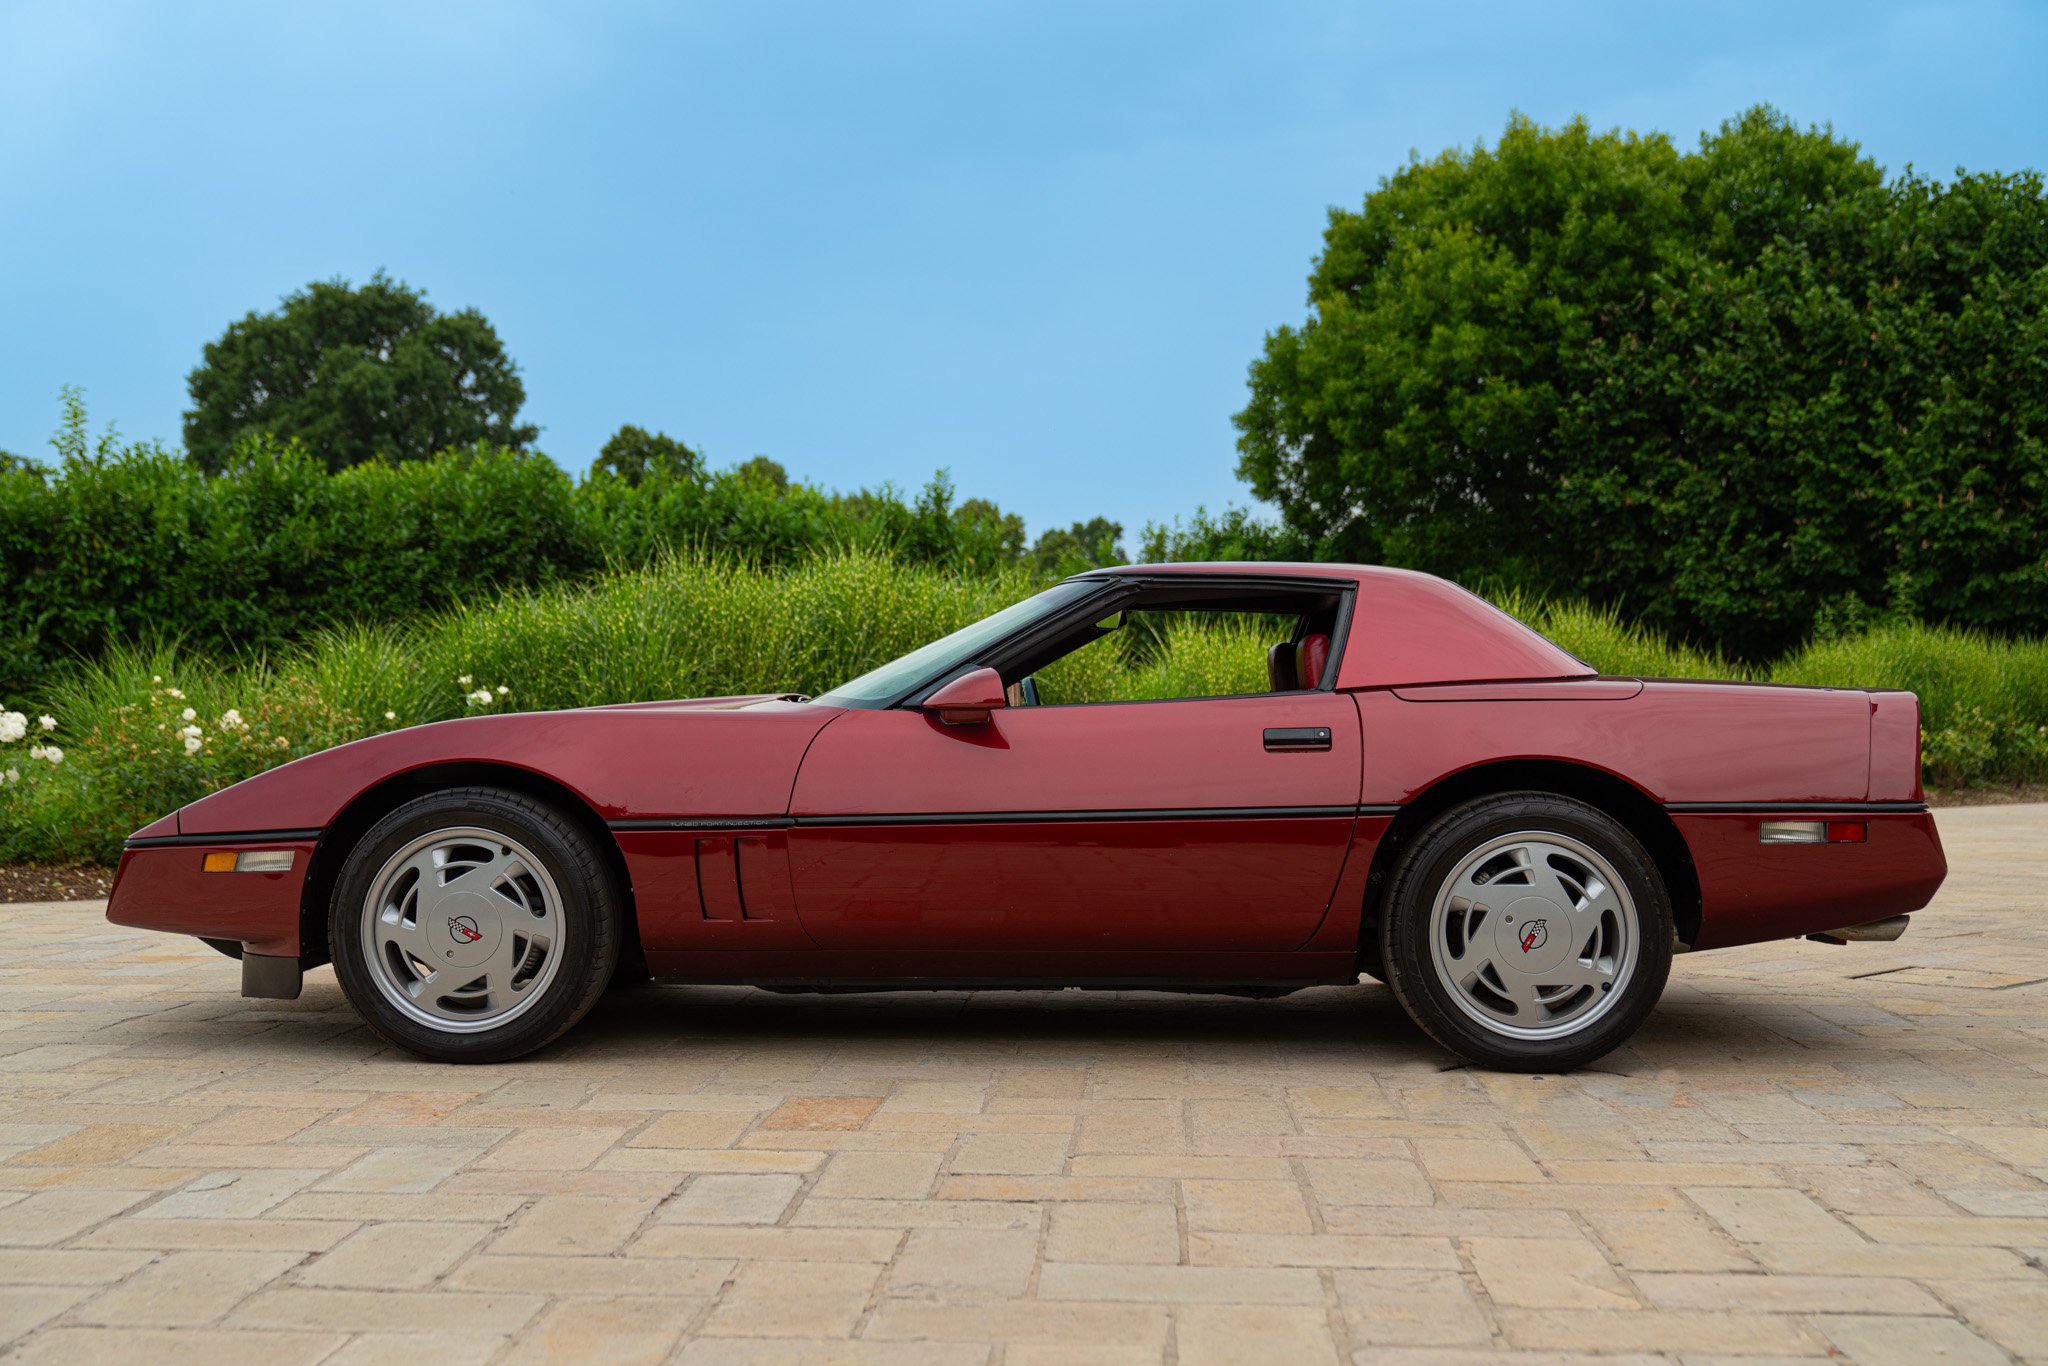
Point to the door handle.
(1297, 737)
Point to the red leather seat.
(1312, 656)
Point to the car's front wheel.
(475, 925)
(1528, 932)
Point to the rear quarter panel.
(1678, 742)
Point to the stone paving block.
(52, 1216)
(1015, 1322)
(789, 1299)
(1180, 1284)
(880, 1175)
(767, 1244)
(1366, 1181)
(1773, 1216)
(1226, 1334)
(684, 1129)
(1113, 1232)
(1245, 1207)
(550, 1150)
(1476, 1159)
(1318, 1249)
(822, 1112)
(1548, 1273)
(1010, 1155)
(175, 1347)
(839, 1352)
(1643, 1330)
(1785, 1294)
(409, 1349)
(623, 1332)
(375, 1311)
(25, 1308)
(1887, 1340)
(186, 1289)
(1410, 1309)
(397, 1256)
(1666, 1240)
(721, 1199)
(224, 1235)
(947, 1263)
(568, 1225)
(603, 1277)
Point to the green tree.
(634, 454)
(10, 463)
(1092, 544)
(762, 470)
(355, 374)
(1732, 391)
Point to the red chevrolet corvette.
(1425, 790)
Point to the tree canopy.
(634, 454)
(356, 374)
(1735, 391)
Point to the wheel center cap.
(463, 928)
(1533, 935)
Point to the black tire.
(591, 913)
(1444, 848)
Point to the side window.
(1153, 654)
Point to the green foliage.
(704, 627)
(635, 455)
(126, 542)
(1094, 544)
(355, 375)
(1235, 534)
(1737, 393)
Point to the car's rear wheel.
(475, 925)
(1527, 931)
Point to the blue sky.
(1036, 244)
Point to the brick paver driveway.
(1809, 1151)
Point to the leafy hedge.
(678, 628)
(124, 542)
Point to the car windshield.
(879, 687)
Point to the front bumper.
(162, 884)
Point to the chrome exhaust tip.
(1869, 932)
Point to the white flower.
(35, 751)
(282, 743)
(12, 775)
(53, 754)
(464, 680)
(13, 725)
(156, 678)
(231, 719)
(191, 744)
(390, 716)
(188, 715)
(190, 732)
(173, 692)
(47, 722)
(480, 698)
(502, 690)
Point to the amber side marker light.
(1813, 832)
(251, 861)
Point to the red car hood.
(707, 757)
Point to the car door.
(1199, 824)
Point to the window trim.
(1126, 586)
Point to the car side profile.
(1364, 771)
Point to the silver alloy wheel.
(463, 929)
(1534, 935)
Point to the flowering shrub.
(156, 754)
(1974, 744)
